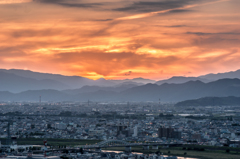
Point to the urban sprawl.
(131, 122)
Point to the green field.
(55, 142)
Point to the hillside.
(211, 101)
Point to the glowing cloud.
(14, 1)
(96, 39)
(165, 11)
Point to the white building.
(135, 131)
(60, 126)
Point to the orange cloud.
(14, 1)
(93, 39)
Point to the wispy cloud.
(155, 6)
(218, 33)
(70, 3)
(98, 38)
(172, 9)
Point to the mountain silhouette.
(149, 92)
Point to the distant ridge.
(135, 80)
(15, 80)
(211, 101)
(181, 79)
(14, 83)
(205, 78)
(70, 81)
(213, 77)
(149, 92)
(89, 89)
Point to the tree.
(49, 126)
(64, 157)
(32, 126)
(81, 150)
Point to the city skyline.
(120, 39)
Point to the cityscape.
(156, 124)
(119, 79)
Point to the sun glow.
(93, 75)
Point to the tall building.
(168, 133)
(135, 131)
(122, 129)
(197, 137)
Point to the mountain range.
(149, 92)
(181, 79)
(22, 80)
(15, 80)
(213, 77)
(24, 85)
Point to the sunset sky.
(118, 39)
